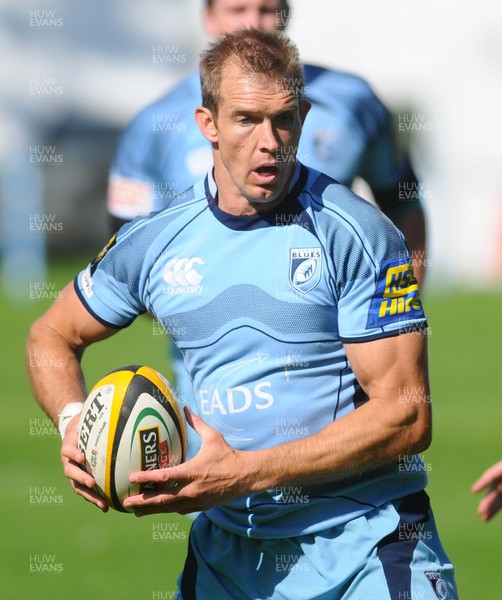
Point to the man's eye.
(244, 120)
(285, 119)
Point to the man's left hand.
(214, 476)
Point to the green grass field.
(56, 546)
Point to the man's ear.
(207, 123)
(305, 106)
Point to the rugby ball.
(131, 421)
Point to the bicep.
(395, 365)
(393, 373)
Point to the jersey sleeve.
(148, 168)
(378, 294)
(384, 304)
(384, 158)
(385, 165)
(130, 185)
(111, 285)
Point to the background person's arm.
(492, 502)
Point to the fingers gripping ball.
(131, 421)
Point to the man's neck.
(230, 199)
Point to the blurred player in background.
(310, 369)
(348, 133)
(492, 502)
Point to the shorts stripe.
(395, 551)
(189, 576)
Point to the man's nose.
(268, 137)
(252, 19)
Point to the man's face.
(226, 16)
(257, 130)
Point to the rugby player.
(303, 331)
(348, 133)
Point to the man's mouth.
(267, 170)
(266, 174)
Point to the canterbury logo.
(181, 272)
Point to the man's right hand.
(73, 461)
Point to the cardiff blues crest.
(305, 268)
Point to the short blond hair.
(271, 55)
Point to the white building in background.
(438, 66)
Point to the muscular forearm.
(395, 421)
(54, 349)
(54, 370)
(364, 439)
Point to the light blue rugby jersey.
(260, 306)
(348, 132)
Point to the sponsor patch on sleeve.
(102, 254)
(128, 198)
(396, 295)
(86, 283)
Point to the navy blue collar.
(282, 214)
